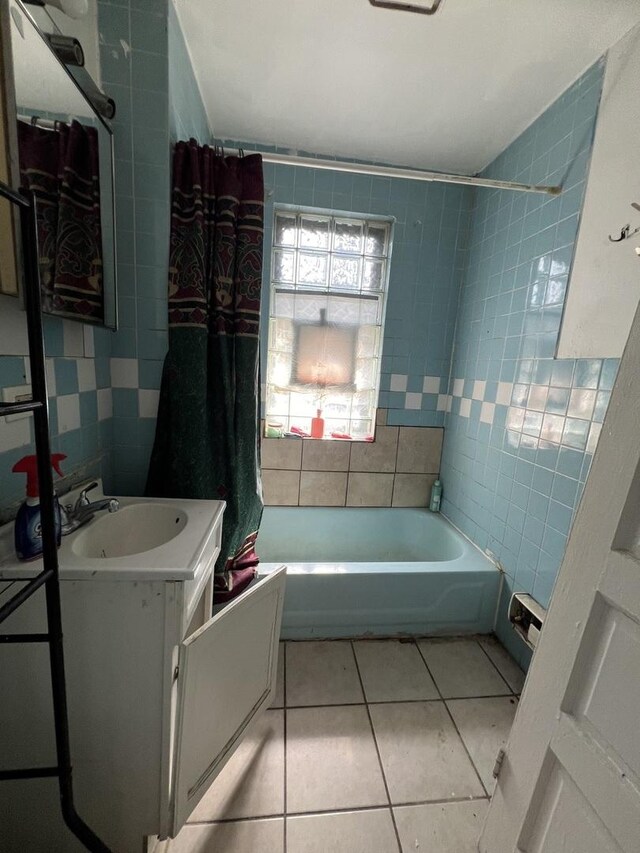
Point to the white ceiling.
(342, 78)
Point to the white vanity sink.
(160, 692)
(131, 530)
(145, 539)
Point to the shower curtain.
(61, 167)
(207, 434)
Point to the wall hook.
(625, 233)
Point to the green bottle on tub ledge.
(436, 496)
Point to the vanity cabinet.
(159, 697)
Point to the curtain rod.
(408, 174)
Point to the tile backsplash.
(522, 426)
(397, 469)
(80, 405)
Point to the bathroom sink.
(145, 539)
(133, 529)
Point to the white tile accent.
(68, 412)
(86, 374)
(431, 385)
(124, 372)
(51, 377)
(89, 344)
(27, 369)
(478, 389)
(105, 404)
(449, 402)
(14, 434)
(458, 387)
(148, 402)
(503, 396)
(465, 407)
(398, 382)
(443, 402)
(413, 400)
(73, 339)
(487, 412)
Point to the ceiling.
(342, 78)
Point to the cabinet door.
(226, 679)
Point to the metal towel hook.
(626, 232)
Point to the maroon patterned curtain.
(206, 443)
(61, 166)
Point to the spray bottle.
(28, 528)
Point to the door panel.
(563, 806)
(570, 778)
(227, 677)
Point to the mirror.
(60, 148)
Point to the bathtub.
(376, 572)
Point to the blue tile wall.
(78, 370)
(187, 115)
(134, 55)
(430, 231)
(523, 426)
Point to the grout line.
(453, 722)
(438, 698)
(345, 810)
(495, 665)
(375, 741)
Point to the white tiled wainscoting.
(397, 469)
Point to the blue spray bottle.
(28, 529)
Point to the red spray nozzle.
(29, 465)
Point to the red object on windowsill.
(299, 431)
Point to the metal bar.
(19, 408)
(12, 195)
(29, 229)
(29, 773)
(24, 593)
(408, 174)
(23, 638)
(309, 291)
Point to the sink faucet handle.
(83, 500)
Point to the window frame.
(294, 286)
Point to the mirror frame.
(10, 161)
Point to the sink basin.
(133, 529)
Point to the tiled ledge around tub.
(397, 469)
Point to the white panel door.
(227, 678)
(570, 780)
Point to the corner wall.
(523, 426)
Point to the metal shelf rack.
(48, 577)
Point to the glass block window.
(328, 287)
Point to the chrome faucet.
(73, 517)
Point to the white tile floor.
(372, 746)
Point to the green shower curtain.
(207, 434)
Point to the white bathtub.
(381, 572)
